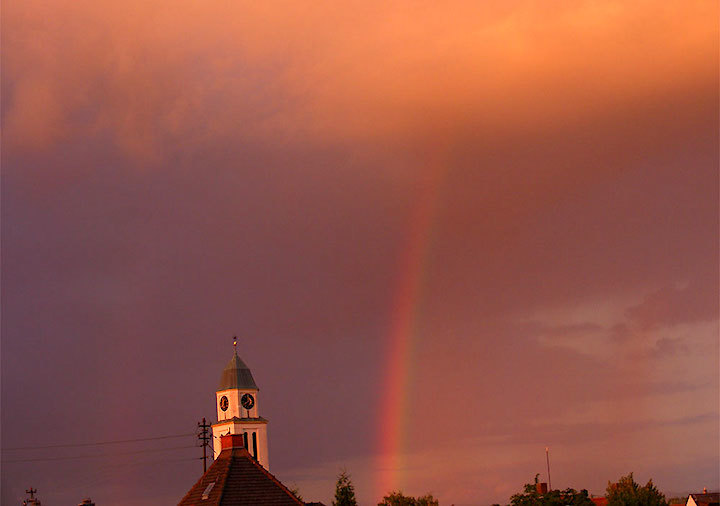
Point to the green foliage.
(531, 497)
(397, 498)
(628, 493)
(344, 490)
(427, 500)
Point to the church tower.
(237, 411)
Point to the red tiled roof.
(599, 501)
(238, 480)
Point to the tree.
(396, 498)
(532, 497)
(628, 493)
(427, 500)
(344, 490)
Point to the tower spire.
(237, 409)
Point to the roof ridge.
(214, 468)
(272, 477)
(187, 496)
(224, 479)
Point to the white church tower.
(237, 411)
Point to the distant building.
(704, 499)
(599, 501)
(237, 479)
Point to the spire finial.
(235, 345)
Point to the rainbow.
(407, 297)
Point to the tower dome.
(237, 375)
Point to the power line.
(95, 473)
(100, 443)
(153, 450)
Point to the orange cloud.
(160, 78)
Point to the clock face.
(247, 401)
(224, 403)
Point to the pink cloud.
(696, 302)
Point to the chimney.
(541, 488)
(704, 490)
(230, 441)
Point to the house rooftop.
(237, 479)
(710, 499)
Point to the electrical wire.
(76, 457)
(99, 443)
(105, 472)
(113, 467)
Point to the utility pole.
(33, 501)
(547, 459)
(204, 436)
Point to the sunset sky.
(446, 234)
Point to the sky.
(448, 235)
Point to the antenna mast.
(547, 459)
